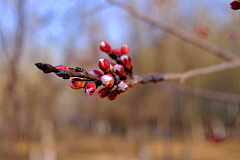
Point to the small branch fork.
(182, 77)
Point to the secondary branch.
(178, 32)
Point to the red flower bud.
(117, 51)
(104, 65)
(96, 73)
(61, 67)
(105, 47)
(124, 49)
(122, 86)
(112, 95)
(111, 66)
(77, 83)
(126, 61)
(119, 70)
(103, 92)
(90, 88)
(235, 5)
(107, 80)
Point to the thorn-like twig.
(66, 74)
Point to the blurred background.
(42, 118)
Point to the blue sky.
(60, 7)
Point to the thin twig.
(182, 77)
(178, 32)
(66, 74)
(200, 71)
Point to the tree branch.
(200, 71)
(171, 87)
(66, 74)
(178, 32)
(182, 77)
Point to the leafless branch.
(178, 32)
(182, 77)
(136, 79)
(66, 74)
(200, 71)
(168, 86)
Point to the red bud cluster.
(113, 76)
(121, 56)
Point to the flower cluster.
(113, 77)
